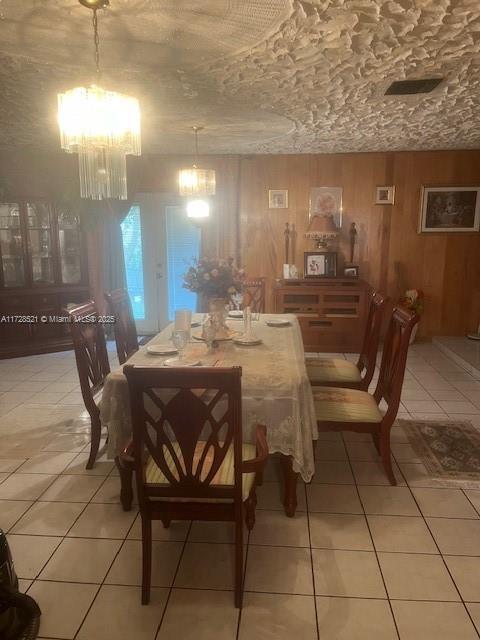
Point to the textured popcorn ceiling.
(261, 75)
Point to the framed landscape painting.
(449, 209)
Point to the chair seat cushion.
(345, 405)
(223, 477)
(332, 370)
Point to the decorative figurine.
(353, 238)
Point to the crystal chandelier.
(194, 181)
(102, 127)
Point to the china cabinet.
(42, 270)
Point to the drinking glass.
(209, 332)
(237, 299)
(180, 339)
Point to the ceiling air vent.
(410, 87)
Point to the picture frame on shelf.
(449, 210)
(351, 271)
(278, 198)
(320, 264)
(385, 195)
(326, 201)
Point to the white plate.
(235, 314)
(278, 323)
(161, 349)
(174, 362)
(247, 342)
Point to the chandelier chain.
(96, 41)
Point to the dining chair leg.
(96, 434)
(146, 558)
(250, 505)
(387, 457)
(376, 442)
(125, 469)
(290, 485)
(238, 558)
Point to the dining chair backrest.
(186, 420)
(368, 354)
(124, 328)
(90, 351)
(394, 359)
(254, 294)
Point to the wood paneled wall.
(391, 254)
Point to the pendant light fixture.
(102, 127)
(194, 181)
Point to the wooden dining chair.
(92, 365)
(353, 410)
(335, 372)
(190, 460)
(254, 294)
(124, 328)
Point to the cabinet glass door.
(39, 225)
(69, 247)
(11, 246)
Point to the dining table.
(276, 392)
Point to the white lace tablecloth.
(275, 389)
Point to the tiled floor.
(361, 560)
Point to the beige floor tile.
(331, 498)
(49, 518)
(444, 503)
(81, 560)
(270, 496)
(63, 606)
(363, 451)
(282, 617)
(127, 568)
(30, 553)
(401, 533)
(354, 619)
(456, 537)
(103, 521)
(73, 442)
(25, 486)
(474, 496)
(72, 489)
(109, 492)
(373, 473)
(330, 450)
(433, 621)
(11, 511)
(474, 610)
(274, 528)
(417, 475)
(223, 532)
(347, 573)
(279, 570)
(198, 615)
(465, 571)
(329, 436)
(47, 462)
(102, 466)
(23, 585)
(333, 472)
(352, 436)
(117, 614)
(339, 531)
(9, 465)
(394, 501)
(416, 577)
(206, 566)
(176, 531)
(404, 452)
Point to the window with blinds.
(132, 251)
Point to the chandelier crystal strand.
(194, 181)
(102, 127)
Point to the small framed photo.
(320, 264)
(326, 201)
(278, 198)
(351, 271)
(385, 195)
(449, 209)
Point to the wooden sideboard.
(331, 311)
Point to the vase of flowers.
(413, 301)
(214, 281)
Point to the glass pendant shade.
(196, 182)
(102, 127)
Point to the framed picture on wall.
(278, 198)
(327, 201)
(320, 264)
(385, 195)
(449, 209)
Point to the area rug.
(450, 450)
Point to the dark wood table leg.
(290, 484)
(125, 469)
